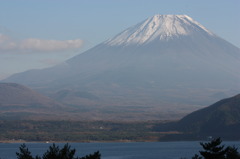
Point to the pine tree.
(96, 155)
(54, 152)
(196, 157)
(24, 153)
(232, 153)
(214, 150)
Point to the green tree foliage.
(196, 157)
(24, 153)
(232, 153)
(54, 152)
(96, 155)
(214, 150)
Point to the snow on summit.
(158, 27)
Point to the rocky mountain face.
(161, 68)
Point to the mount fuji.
(161, 68)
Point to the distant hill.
(221, 119)
(20, 102)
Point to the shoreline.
(49, 142)
(115, 141)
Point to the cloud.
(49, 45)
(8, 44)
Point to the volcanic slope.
(163, 67)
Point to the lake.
(133, 150)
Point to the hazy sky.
(42, 33)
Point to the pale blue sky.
(26, 23)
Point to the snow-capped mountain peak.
(158, 27)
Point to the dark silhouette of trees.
(95, 155)
(214, 150)
(54, 152)
(211, 150)
(24, 153)
(232, 153)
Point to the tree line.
(54, 152)
(211, 150)
(215, 150)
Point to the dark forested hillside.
(221, 119)
(223, 116)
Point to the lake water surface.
(134, 150)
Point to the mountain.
(159, 27)
(223, 116)
(20, 102)
(221, 119)
(164, 67)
